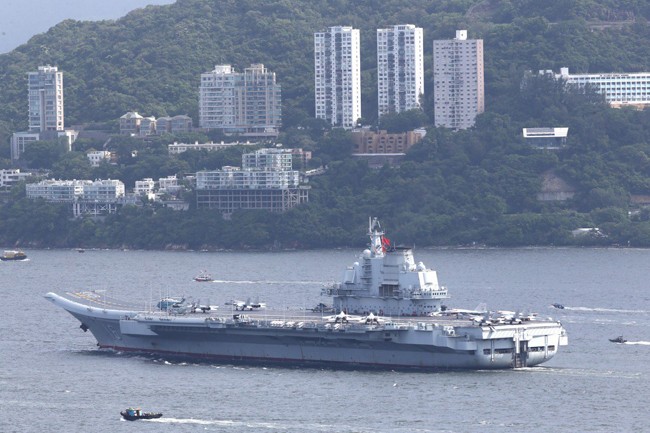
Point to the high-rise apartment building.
(45, 92)
(247, 103)
(400, 68)
(337, 70)
(458, 81)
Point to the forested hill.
(151, 59)
(473, 186)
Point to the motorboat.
(203, 277)
(619, 339)
(132, 414)
(558, 306)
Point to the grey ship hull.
(418, 345)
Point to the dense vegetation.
(474, 186)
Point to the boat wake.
(606, 310)
(274, 426)
(581, 372)
(266, 282)
(165, 420)
(246, 424)
(638, 343)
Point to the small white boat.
(203, 277)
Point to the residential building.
(57, 190)
(86, 197)
(277, 160)
(176, 148)
(367, 141)
(181, 123)
(10, 177)
(103, 190)
(148, 126)
(400, 68)
(45, 111)
(130, 123)
(45, 93)
(169, 185)
(248, 103)
(164, 125)
(134, 124)
(546, 138)
(96, 157)
(619, 89)
(265, 181)
(337, 78)
(20, 140)
(458, 81)
(144, 187)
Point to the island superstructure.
(387, 281)
(388, 313)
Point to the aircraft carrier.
(388, 312)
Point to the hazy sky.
(22, 19)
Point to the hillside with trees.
(477, 186)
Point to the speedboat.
(558, 306)
(132, 414)
(9, 255)
(203, 277)
(618, 339)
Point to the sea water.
(53, 378)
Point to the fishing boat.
(132, 414)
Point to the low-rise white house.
(96, 157)
(618, 88)
(168, 184)
(10, 177)
(144, 187)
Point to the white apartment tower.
(337, 70)
(400, 68)
(45, 93)
(247, 103)
(458, 81)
